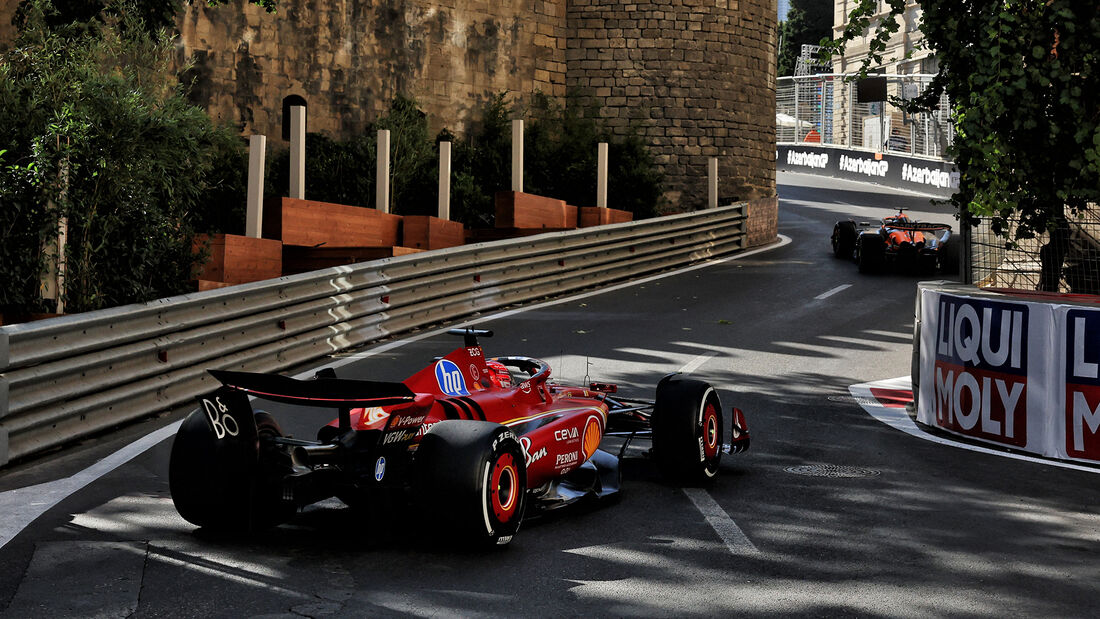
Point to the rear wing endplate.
(321, 392)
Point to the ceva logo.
(450, 378)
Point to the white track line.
(732, 535)
(22, 506)
(697, 362)
(898, 419)
(829, 293)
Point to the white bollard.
(444, 180)
(601, 175)
(254, 214)
(382, 180)
(517, 156)
(712, 183)
(298, 152)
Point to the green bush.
(560, 161)
(111, 144)
(560, 158)
(343, 171)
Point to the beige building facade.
(904, 53)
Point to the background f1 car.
(462, 437)
(912, 246)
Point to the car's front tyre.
(687, 430)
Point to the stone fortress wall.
(697, 76)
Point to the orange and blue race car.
(899, 241)
(486, 441)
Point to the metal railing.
(68, 377)
(1072, 260)
(823, 109)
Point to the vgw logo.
(1083, 384)
(450, 378)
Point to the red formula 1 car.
(463, 437)
(910, 245)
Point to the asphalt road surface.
(915, 528)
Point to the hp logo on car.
(379, 469)
(450, 378)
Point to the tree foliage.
(151, 14)
(1023, 77)
(98, 131)
(808, 22)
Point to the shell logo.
(374, 415)
(593, 434)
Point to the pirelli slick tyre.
(844, 239)
(872, 253)
(215, 473)
(687, 430)
(471, 477)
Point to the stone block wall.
(349, 59)
(7, 31)
(697, 75)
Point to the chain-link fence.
(1066, 261)
(824, 109)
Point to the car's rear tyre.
(844, 239)
(687, 430)
(872, 253)
(219, 483)
(471, 477)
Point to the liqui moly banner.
(1012, 372)
(1081, 408)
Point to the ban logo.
(450, 378)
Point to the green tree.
(808, 22)
(1023, 77)
(152, 14)
(112, 145)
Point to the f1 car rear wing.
(322, 392)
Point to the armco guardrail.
(68, 377)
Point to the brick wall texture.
(697, 77)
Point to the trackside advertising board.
(1012, 372)
(922, 175)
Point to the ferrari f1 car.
(898, 241)
(485, 441)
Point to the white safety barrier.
(71, 376)
(1015, 370)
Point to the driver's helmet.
(499, 374)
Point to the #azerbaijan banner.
(1012, 372)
